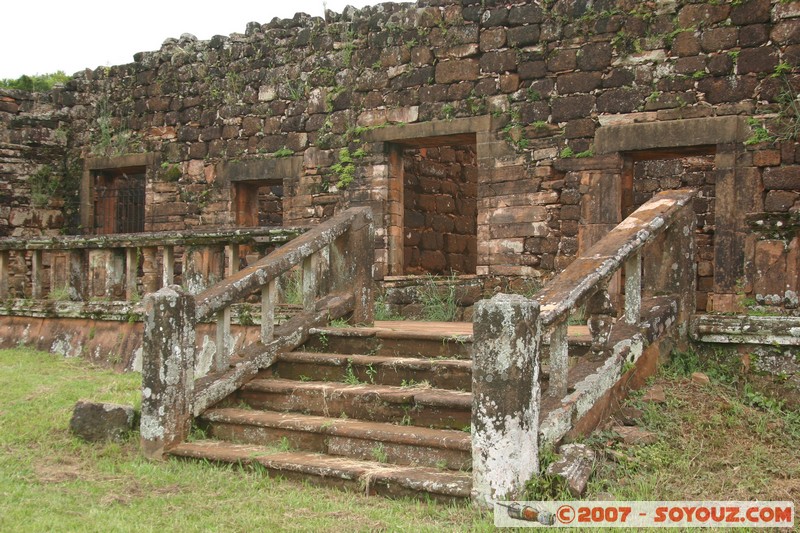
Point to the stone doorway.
(258, 203)
(438, 198)
(649, 172)
(432, 205)
(440, 210)
(723, 233)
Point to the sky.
(43, 36)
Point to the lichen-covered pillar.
(505, 397)
(77, 275)
(150, 274)
(167, 369)
(362, 246)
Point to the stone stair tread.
(449, 439)
(388, 393)
(421, 479)
(387, 360)
(433, 333)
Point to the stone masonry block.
(97, 422)
(457, 70)
(750, 12)
(785, 178)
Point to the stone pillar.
(203, 266)
(115, 274)
(77, 275)
(669, 265)
(150, 274)
(167, 370)
(36, 274)
(5, 274)
(362, 243)
(505, 397)
(395, 208)
(601, 316)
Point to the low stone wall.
(112, 337)
(445, 297)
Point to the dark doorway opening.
(647, 173)
(259, 203)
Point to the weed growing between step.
(439, 303)
(51, 481)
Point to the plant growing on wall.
(170, 173)
(345, 168)
(786, 124)
(108, 138)
(283, 152)
(44, 185)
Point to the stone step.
(434, 343)
(367, 477)
(418, 405)
(357, 439)
(439, 373)
(380, 341)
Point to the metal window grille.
(119, 204)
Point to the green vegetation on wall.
(35, 83)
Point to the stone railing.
(336, 261)
(654, 247)
(107, 267)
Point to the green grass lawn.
(719, 441)
(735, 438)
(51, 481)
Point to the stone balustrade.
(335, 260)
(126, 266)
(654, 247)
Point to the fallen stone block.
(634, 435)
(655, 394)
(700, 378)
(629, 416)
(575, 467)
(97, 422)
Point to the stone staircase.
(384, 410)
(369, 409)
(407, 408)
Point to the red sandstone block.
(457, 70)
(783, 178)
(767, 158)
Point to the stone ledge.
(743, 329)
(670, 134)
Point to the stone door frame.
(388, 184)
(736, 185)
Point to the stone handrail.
(584, 280)
(508, 333)
(154, 238)
(116, 258)
(335, 260)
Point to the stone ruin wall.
(440, 210)
(550, 75)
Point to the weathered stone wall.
(34, 166)
(337, 96)
(440, 187)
